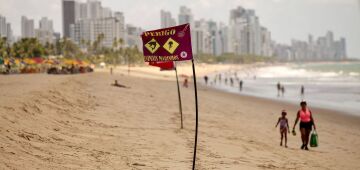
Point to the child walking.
(284, 127)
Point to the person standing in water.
(306, 124)
(284, 127)
(278, 86)
(302, 91)
(241, 85)
(282, 90)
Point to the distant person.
(111, 70)
(282, 91)
(284, 127)
(231, 82)
(206, 78)
(8, 68)
(226, 80)
(306, 124)
(302, 91)
(278, 86)
(186, 83)
(116, 84)
(241, 85)
(254, 77)
(219, 77)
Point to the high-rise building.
(88, 30)
(133, 37)
(245, 32)
(185, 16)
(3, 27)
(266, 48)
(27, 28)
(69, 16)
(9, 34)
(166, 19)
(120, 27)
(94, 9)
(45, 33)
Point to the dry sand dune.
(81, 122)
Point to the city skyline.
(146, 23)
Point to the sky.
(286, 19)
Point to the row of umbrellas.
(39, 60)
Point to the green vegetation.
(96, 53)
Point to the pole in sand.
(197, 115)
(179, 95)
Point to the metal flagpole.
(197, 116)
(178, 88)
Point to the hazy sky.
(286, 19)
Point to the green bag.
(314, 142)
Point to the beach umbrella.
(37, 60)
(29, 61)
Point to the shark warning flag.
(168, 44)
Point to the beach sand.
(81, 122)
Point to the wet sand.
(81, 122)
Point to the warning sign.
(152, 45)
(171, 45)
(167, 44)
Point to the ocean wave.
(287, 71)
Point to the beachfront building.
(93, 20)
(45, 33)
(3, 27)
(325, 48)
(166, 20)
(224, 35)
(266, 44)
(68, 16)
(6, 30)
(245, 32)
(133, 38)
(27, 28)
(186, 16)
(88, 30)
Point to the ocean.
(333, 86)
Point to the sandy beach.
(81, 122)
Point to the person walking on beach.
(284, 127)
(241, 85)
(306, 124)
(231, 82)
(206, 78)
(278, 86)
(186, 83)
(111, 70)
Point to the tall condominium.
(45, 33)
(185, 16)
(3, 27)
(27, 28)
(245, 31)
(166, 19)
(69, 16)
